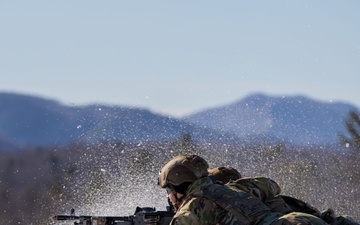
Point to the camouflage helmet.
(183, 168)
(224, 174)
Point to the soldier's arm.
(195, 212)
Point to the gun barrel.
(65, 217)
(109, 218)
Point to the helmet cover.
(183, 168)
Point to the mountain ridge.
(33, 121)
(280, 116)
(27, 120)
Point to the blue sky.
(179, 57)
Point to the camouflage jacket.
(295, 210)
(207, 203)
(261, 187)
(267, 190)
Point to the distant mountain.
(28, 121)
(297, 120)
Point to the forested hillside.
(112, 179)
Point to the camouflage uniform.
(263, 188)
(199, 207)
(209, 203)
(268, 191)
(199, 200)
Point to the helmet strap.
(177, 199)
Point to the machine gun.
(142, 216)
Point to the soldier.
(268, 191)
(198, 200)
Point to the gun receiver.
(142, 216)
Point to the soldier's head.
(224, 174)
(180, 172)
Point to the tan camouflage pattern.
(207, 203)
(199, 207)
(265, 189)
(299, 218)
(261, 187)
(197, 165)
(183, 168)
(224, 174)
